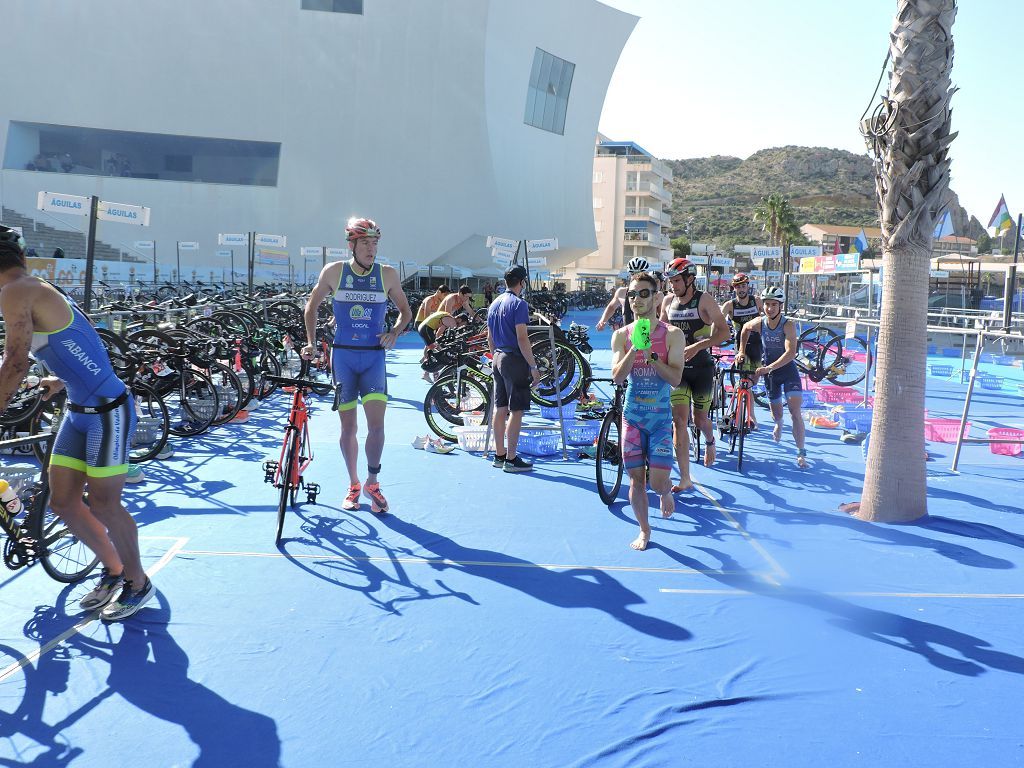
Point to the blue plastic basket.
(856, 419)
(568, 411)
(986, 357)
(932, 349)
(991, 382)
(539, 442)
(582, 432)
(943, 371)
(809, 400)
(950, 352)
(1005, 359)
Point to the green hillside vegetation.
(713, 198)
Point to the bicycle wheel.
(63, 556)
(153, 425)
(852, 363)
(290, 456)
(446, 404)
(192, 403)
(609, 457)
(695, 445)
(741, 426)
(300, 456)
(818, 348)
(229, 390)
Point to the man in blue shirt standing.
(515, 369)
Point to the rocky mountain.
(713, 198)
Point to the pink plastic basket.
(834, 394)
(944, 430)
(1006, 433)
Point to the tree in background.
(778, 219)
(909, 136)
(680, 247)
(984, 243)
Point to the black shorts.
(512, 381)
(428, 334)
(753, 350)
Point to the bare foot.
(668, 504)
(709, 454)
(640, 542)
(684, 484)
(801, 461)
(777, 432)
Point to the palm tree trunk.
(909, 136)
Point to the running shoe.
(241, 416)
(439, 446)
(499, 462)
(135, 474)
(128, 602)
(166, 452)
(352, 500)
(378, 503)
(420, 443)
(103, 592)
(518, 464)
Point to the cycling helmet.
(772, 293)
(740, 278)
(358, 228)
(8, 235)
(638, 264)
(680, 266)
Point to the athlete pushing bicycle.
(359, 290)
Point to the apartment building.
(631, 213)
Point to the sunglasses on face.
(643, 293)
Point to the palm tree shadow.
(920, 637)
(572, 588)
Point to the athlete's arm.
(609, 311)
(393, 286)
(622, 358)
(323, 288)
(16, 307)
(665, 304)
(727, 309)
(741, 350)
(671, 369)
(712, 315)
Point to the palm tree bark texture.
(909, 136)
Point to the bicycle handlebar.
(317, 386)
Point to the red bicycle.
(740, 420)
(286, 474)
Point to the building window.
(598, 177)
(100, 152)
(337, 6)
(547, 96)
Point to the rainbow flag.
(1000, 221)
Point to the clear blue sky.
(730, 77)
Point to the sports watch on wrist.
(653, 356)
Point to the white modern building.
(445, 120)
(632, 201)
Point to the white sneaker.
(420, 443)
(439, 446)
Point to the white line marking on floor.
(779, 570)
(44, 649)
(946, 595)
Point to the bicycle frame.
(297, 427)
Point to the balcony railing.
(658, 241)
(649, 213)
(648, 188)
(657, 166)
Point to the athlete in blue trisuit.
(360, 289)
(92, 444)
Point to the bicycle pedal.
(269, 471)
(312, 491)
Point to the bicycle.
(286, 474)
(740, 420)
(35, 533)
(824, 354)
(608, 457)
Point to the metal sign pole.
(90, 251)
(967, 403)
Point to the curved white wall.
(411, 113)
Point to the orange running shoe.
(352, 500)
(378, 504)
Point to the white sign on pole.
(312, 250)
(722, 261)
(759, 253)
(544, 244)
(493, 241)
(702, 260)
(225, 254)
(188, 246)
(702, 248)
(538, 261)
(380, 260)
(55, 202)
(232, 239)
(126, 214)
(801, 251)
(503, 252)
(337, 253)
(273, 241)
(939, 273)
(503, 261)
(410, 267)
(144, 245)
(773, 275)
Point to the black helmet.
(515, 275)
